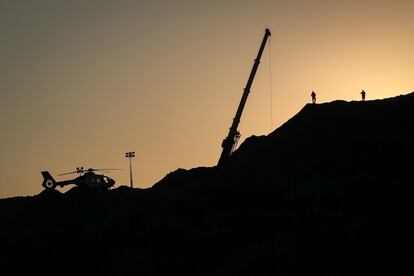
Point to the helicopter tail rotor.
(48, 181)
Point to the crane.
(230, 142)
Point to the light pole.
(130, 155)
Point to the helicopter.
(86, 179)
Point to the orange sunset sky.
(82, 82)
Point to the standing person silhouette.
(313, 95)
(363, 95)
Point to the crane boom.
(230, 141)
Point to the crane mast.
(230, 142)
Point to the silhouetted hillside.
(329, 192)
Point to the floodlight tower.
(130, 155)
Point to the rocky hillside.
(329, 192)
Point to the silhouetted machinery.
(230, 142)
(86, 179)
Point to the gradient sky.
(82, 82)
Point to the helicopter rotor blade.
(109, 169)
(82, 170)
(67, 173)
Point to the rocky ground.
(329, 192)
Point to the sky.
(83, 82)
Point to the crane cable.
(270, 86)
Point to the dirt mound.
(329, 192)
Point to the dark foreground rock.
(328, 193)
